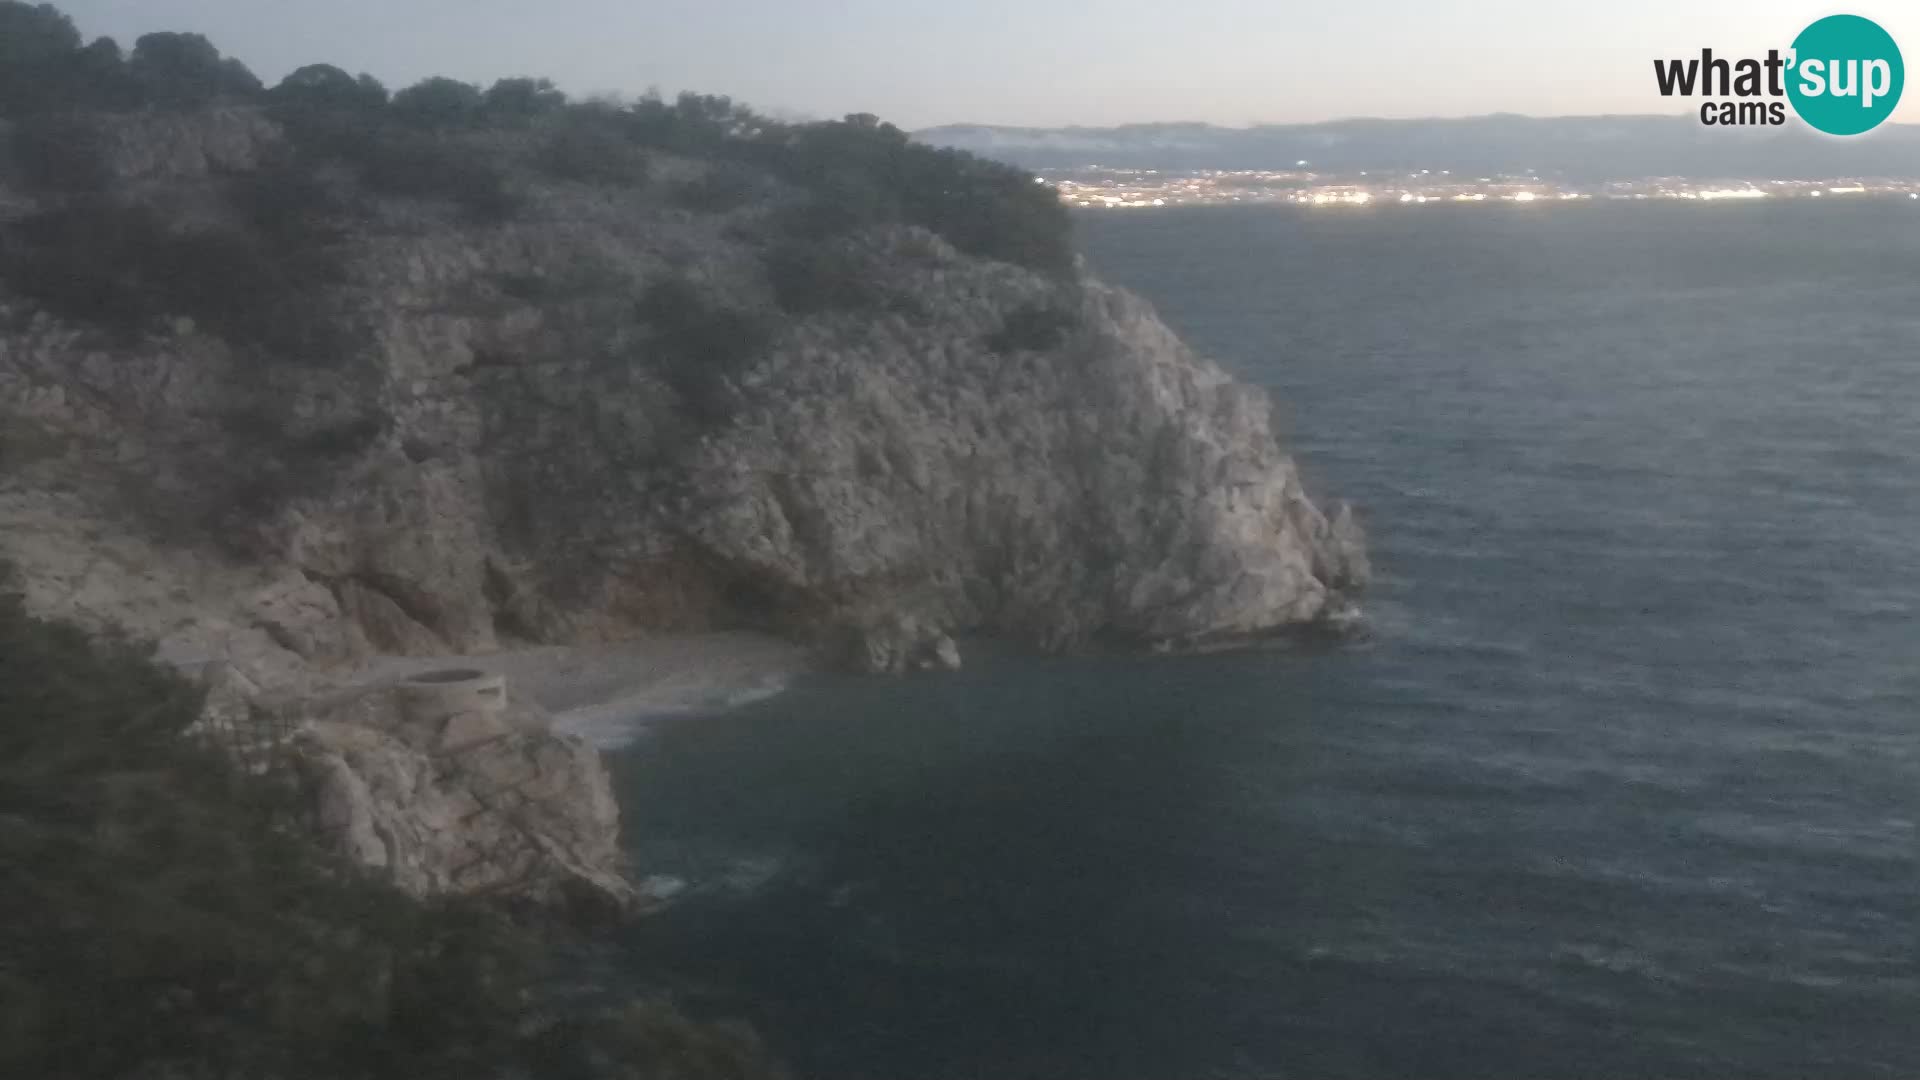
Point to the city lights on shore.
(1096, 187)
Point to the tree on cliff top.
(32, 35)
(37, 44)
(439, 103)
(524, 97)
(186, 69)
(327, 87)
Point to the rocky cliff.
(539, 402)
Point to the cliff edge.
(285, 394)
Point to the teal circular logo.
(1846, 75)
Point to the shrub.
(81, 263)
(98, 77)
(60, 154)
(34, 34)
(37, 42)
(443, 168)
(863, 171)
(186, 69)
(809, 278)
(592, 153)
(520, 98)
(722, 187)
(439, 103)
(287, 203)
(324, 86)
(703, 346)
(1035, 327)
(695, 124)
(652, 1039)
(121, 268)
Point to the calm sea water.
(1628, 782)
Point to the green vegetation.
(163, 914)
(703, 346)
(122, 268)
(260, 280)
(44, 67)
(426, 167)
(439, 103)
(60, 154)
(523, 97)
(724, 186)
(868, 172)
(185, 70)
(323, 86)
(1035, 327)
(809, 278)
(858, 171)
(585, 149)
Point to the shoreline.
(612, 694)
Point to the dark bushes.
(809, 278)
(86, 264)
(1035, 327)
(396, 161)
(121, 268)
(163, 914)
(588, 152)
(287, 203)
(187, 70)
(724, 186)
(323, 86)
(44, 68)
(522, 98)
(865, 171)
(438, 103)
(858, 171)
(861, 172)
(441, 169)
(703, 346)
(697, 125)
(60, 154)
(652, 1039)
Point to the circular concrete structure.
(436, 695)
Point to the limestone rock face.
(512, 450)
(1116, 487)
(498, 445)
(471, 803)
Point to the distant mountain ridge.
(1580, 148)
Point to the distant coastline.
(1572, 149)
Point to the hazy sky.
(1035, 62)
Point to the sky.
(1025, 62)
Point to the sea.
(1625, 782)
